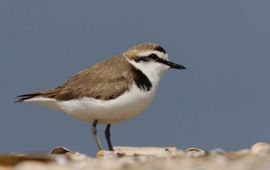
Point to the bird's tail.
(22, 98)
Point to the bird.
(111, 91)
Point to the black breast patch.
(141, 80)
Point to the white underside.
(86, 109)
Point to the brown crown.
(132, 52)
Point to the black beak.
(175, 66)
(171, 64)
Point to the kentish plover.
(111, 91)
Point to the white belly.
(124, 107)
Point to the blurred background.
(220, 101)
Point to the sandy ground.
(146, 158)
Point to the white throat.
(153, 71)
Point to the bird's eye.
(153, 56)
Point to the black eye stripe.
(142, 58)
(150, 57)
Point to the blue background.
(221, 100)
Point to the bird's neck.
(152, 73)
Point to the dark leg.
(94, 134)
(108, 137)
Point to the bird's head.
(151, 59)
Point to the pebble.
(194, 152)
(261, 148)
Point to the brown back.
(106, 80)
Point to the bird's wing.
(106, 80)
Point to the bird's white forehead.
(159, 54)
